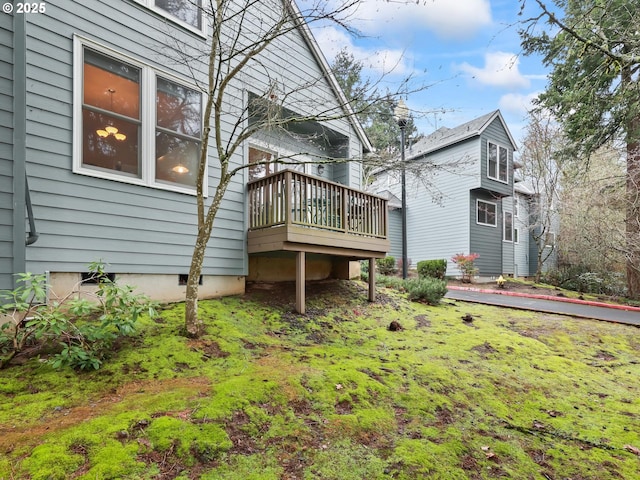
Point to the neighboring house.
(106, 126)
(473, 205)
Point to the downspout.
(19, 141)
(33, 235)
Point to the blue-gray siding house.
(105, 120)
(470, 206)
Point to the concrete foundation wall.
(163, 288)
(283, 269)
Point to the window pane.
(176, 159)
(486, 213)
(111, 85)
(503, 164)
(493, 161)
(178, 108)
(263, 169)
(508, 226)
(114, 150)
(186, 10)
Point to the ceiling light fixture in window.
(180, 168)
(110, 129)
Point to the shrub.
(432, 268)
(429, 290)
(85, 330)
(578, 278)
(466, 265)
(386, 265)
(391, 282)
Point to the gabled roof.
(331, 78)
(444, 137)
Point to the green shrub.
(396, 283)
(85, 330)
(429, 290)
(386, 265)
(580, 279)
(432, 268)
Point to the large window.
(497, 162)
(486, 213)
(188, 12)
(137, 125)
(507, 227)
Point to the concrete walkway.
(549, 304)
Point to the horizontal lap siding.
(6, 151)
(508, 248)
(486, 240)
(80, 219)
(495, 133)
(522, 247)
(438, 217)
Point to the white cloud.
(377, 62)
(450, 19)
(517, 104)
(500, 70)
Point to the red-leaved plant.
(466, 265)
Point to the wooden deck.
(291, 211)
(294, 212)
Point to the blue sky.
(466, 51)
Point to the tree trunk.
(192, 323)
(633, 215)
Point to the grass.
(269, 394)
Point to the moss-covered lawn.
(268, 394)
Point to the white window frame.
(147, 119)
(151, 5)
(504, 227)
(498, 147)
(495, 205)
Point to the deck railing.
(294, 198)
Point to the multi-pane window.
(137, 125)
(486, 213)
(497, 162)
(111, 115)
(507, 227)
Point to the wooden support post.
(372, 279)
(300, 281)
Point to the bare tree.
(592, 214)
(543, 167)
(251, 87)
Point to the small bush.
(429, 290)
(466, 265)
(432, 268)
(84, 330)
(391, 282)
(386, 265)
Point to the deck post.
(300, 281)
(372, 279)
